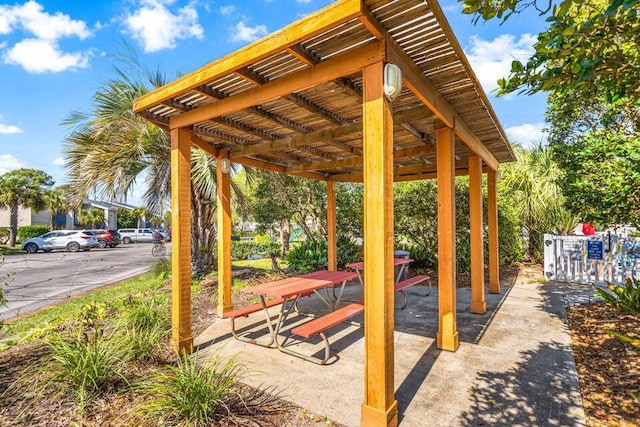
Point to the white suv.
(71, 240)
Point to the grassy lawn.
(6, 250)
(40, 323)
(147, 286)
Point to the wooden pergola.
(308, 100)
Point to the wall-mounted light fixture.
(225, 165)
(392, 81)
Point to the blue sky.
(54, 55)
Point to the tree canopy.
(22, 187)
(589, 46)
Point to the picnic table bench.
(319, 325)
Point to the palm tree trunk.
(13, 224)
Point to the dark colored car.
(106, 238)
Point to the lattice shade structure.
(315, 129)
(308, 100)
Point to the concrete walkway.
(514, 366)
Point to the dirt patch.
(608, 368)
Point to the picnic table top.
(300, 285)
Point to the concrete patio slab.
(514, 367)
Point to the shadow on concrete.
(412, 382)
(536, 392)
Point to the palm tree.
(56, 201)
(530, 182)
(139, 213)
(111, 133)
(22, 187)
(93, 217)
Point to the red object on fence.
(588, 229)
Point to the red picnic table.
(287, 292)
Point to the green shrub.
(624, 298)
(348, 251)
(147, 328)
(85, 363)
(189, 394)
(307, 256)
(162, 268)
(28, 231)
(242, 249)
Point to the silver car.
(70, 240)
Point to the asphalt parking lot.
(38, 280)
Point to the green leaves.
(590, 46)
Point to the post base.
(494, 288)
(478, 307)
(448, 342)
(374, 417)
(184, 344)
(222, 309)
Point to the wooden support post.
(224, 237)
(181, 338)
(478, 302)
(492, 220)
(332, 249)
(379, 407)
(447, 338)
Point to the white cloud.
(227, 10)
(58, 161)
(8, 129)
(40, 56)
(304, 1)
(9, 163)
(41, 52)
(527, 134)
(491, 60)
(32, 18)
(157, 28)
(242, 33)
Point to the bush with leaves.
(242, 249)
(190, 393)
(307, 256)
(623, 298)
(29, 231)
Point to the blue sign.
(595, 250)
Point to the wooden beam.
(447, 337)
(332, 248)
(476, 225)
(327, 136)
(205, 146)
(223, 211)
(247, 161)
(399, 172)
(416, 81)
(307, 27)
(435, 8)
(379, 407)
(492, 223)
(355, 161)
(338, 66)
(181, 335)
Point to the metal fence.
(605, 257)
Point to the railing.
(602, 258)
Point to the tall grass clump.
(146, 325)
(85, 365)
(192, 394)
(162, 268)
